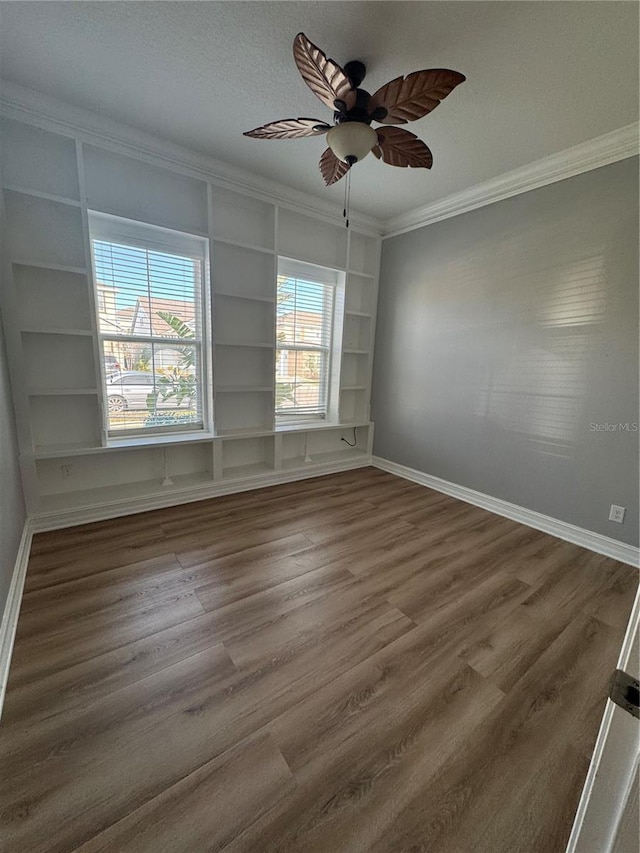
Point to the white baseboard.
(12, 607)
(561, 529)
(116, 508)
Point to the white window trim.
(104, 226)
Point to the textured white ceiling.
(541, 77)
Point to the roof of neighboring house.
(125, 318)
(145, 309)
(312, 317)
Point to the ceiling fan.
(352, 137)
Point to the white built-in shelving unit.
(51, 179)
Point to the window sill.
(166, 438)
(301, 426)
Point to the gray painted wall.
(505, 335)
(12, 511)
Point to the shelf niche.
(357, 332)
(43, 231)
(359, 294)
(247, 457)
(51, 298)
(237, 366)
(65, 420)
(305, 238)
(61, 361)
(322, 447)
(123, 186)
(242, 219)
(254, 319)
(241, 272)
(355, 369)
(354, 404)
(37, 160)
(243, 411)
(363, 253)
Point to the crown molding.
(601, 151)
(26, 105)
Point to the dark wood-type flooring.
(343, 664)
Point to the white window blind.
(304, 325)
(149, 300)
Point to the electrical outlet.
(66, 471)
(617, 513)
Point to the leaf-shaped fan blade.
(398, 147)
(289, 128)
(323, 76)
(409, 98)
(332, 169)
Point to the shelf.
(356, 351)
(250, 432)
(62, 392)
(240, 389)
(56, 451)
(122, 492)
(42, 265)
(143, 219)
(323, 458)
(250, 297)
(300, 427)
(48, 196)
(35, 331)
(238, 472)
(219, 343)
(60, 451)
(353, 388)
(361, 274)
(167, 438)
(358, 313)
(240, 245)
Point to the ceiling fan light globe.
(351, 139)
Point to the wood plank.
(81, 684)
(208, 808)
(96, 633)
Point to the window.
(304, 324)
(149, 299)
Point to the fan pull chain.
(344, 206)
(347, 197)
